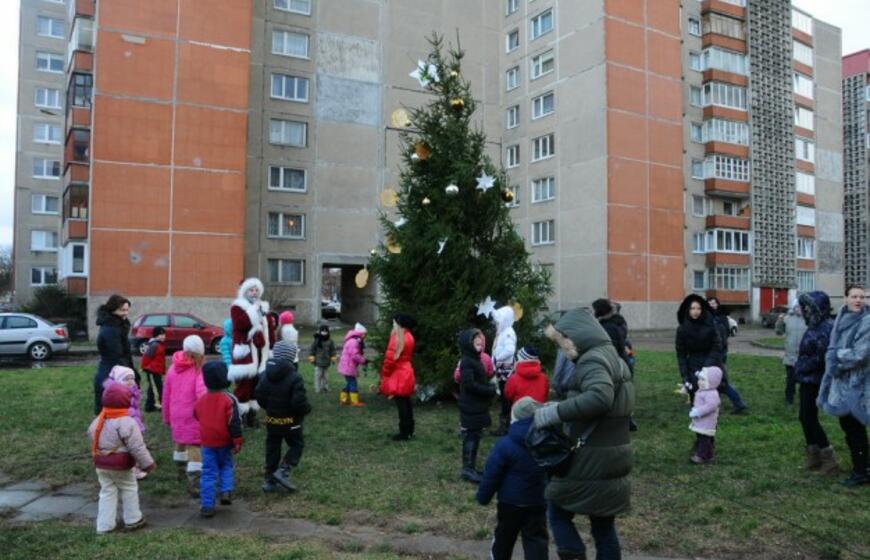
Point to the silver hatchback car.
(31, 336)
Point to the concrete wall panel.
(333, 95)
(349, 57)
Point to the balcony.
(730, 43)
(726, 148)
(727, 222)
(74, 230)
(730, 297)
(81, 61)
(75, 285)
(733, 8)
(723, 187)
(82, 8)
(733, 259)
(75, 213)
(77, 148)
(76, 174)
(714, 75)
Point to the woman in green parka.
(598, 395)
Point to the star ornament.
(441, 243)
(425, 73)
(400, 222)
(486, 307)
(485, 182)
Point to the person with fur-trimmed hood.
(504, 349)
(251, 344)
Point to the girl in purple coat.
(705, 414)
(352, 356)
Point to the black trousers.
(808, 414)
(528, 521)
(504, 414)
(155, 387)
(790, 384)
(406, 415)
(856, 439)
(295, 443)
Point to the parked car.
(330, 309)
(23, 334)
(732, 326)
(178, 326)
(768, 320)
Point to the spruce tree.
(453, 243)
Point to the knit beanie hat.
(602, 307)
(405, 321)
(285, 318)
(528, 354)
(120, 373)
(116, 395)
(194, 345)
(214, 374)
(524, 408)
(285, 351)
(359, 327)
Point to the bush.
(55, 304)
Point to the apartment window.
(49, 27)
(44, 204)
(511, 6)
(288, 133)
(723, 25)
(289, 88)
(512, 40)
(46, 133)
(43, 240)
(720, 130)
(701, 206)
(286, 226)
(806, 248)
(512, 156)
(512, 78)
(695, 61)
(694, 26)
(296, 6)
(730, 208)
(724, 95)
(515, 202)
(48, 62)
(543, 147)
(726, 167)
(697, 169)
(47, 98)
(79, 258)
(543, 105)
(697, 132)
(805, 216)
(288, 43)
(806, 281)
(714, 58)
(287, 179)
(695, 96)
(727, 241)
(82, 86)
(699, 280)
(728, 278)
(512, 117)
(544, 233)
(43, 276)
(803, 85)
(803, 117)
(802, 53)
(698, 243)
(542, 64)
(802, 22)
(45, 168)
(543, 189)
(81, 38)
(286, 271)
(804, 149)
(805, 183)
(541, 24)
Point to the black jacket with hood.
(475, 390)
(281, 392)
(114, 348)
(698, 342)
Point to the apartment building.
(39, 152)
(856, 165)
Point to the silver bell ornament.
(451, 190)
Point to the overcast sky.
(852, 16)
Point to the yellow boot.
(354, 400)
(343, 398)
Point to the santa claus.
(252, 338)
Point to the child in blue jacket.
(227, 343)
(512, 473)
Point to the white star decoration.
(486, 307)
(441, 243)
(425, 73)
(400, 222)
(485, 182)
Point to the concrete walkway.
(33, 501)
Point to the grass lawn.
(773, 341)
(754, 502)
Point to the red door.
(772, 297)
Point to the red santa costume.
(251, 343)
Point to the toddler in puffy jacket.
(705, 414)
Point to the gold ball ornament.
(394, 248)
(389, 198)
(422, 151)
(518, 311)
(399, 119)
(454, 74)
(362, 278)
(426, 201)
(451, 190)
(507, 195)
(373, 252)
(457, 104)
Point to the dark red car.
(178, 326)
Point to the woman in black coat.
(475, 396)
(698, 343)
(112, 343)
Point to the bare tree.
(5, 270)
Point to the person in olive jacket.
(112, 343)
(475, 395)
(597, 396)
(322, 355)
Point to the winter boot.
(193, 483)
(344, 398)
(828, 461)
(860, 472)
(469, 458)
(206, 512)
(226, 498)
(354, 400)
(180, 460)
(814, 457)
(269, 485)
(282, 477)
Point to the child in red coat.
(154, 366)
(528, 380)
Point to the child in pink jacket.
(705, 414)
(352, 356)
(183, 386)
(127, 377)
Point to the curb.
(758, 344)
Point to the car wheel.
(39, 351)
(216, 345)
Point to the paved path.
(740, 344)
(32, 501)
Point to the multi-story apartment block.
(856, 165)
(39, 152)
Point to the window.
(730, 208)
(803, 117)
(805, 216)
(288, 133)
(803, 85)
(725, 167)
(289, 88)
(288, 43)
(286, 226)
(47, 97)
(512, 156)
(699, 280)
(156, 321)
(543, 105)
(697, 169)
(728, 278)
(512, 119)
(42, 276)
(697, 132)
(286, 271)
(512, 6)
(18, 322)
(802, 53)
(714, 58)
(723, 25)
(512, 40)
(82, 86)
(724, 95)
(47, 62)
(73, 260)
(694, 26)
(296, 6)
(695, 96)
(543, 64)
(44, 204)
(726, 241)
(804, 149)
(541, 24)
(543, 189)
(701, 206)
(806, 248)
(185, 322)
(802, 22)
(43, 240)
(544, 233)
(805, 183)
(287, 179)
(699, 243)
(695, 61)
(806, 281)
(49, 27)
(733, 132)
(512, 78)
(45, 168)
(81, 38)
(515, 190)
(46, 133)
(543, 147)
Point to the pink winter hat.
(285, 318)
(120, 373)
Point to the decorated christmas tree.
(453, 248)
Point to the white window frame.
(734, 241)
(297, 86)
(47, 133)
(44, 241)
(536, 24)
(805, 216)
(804, 118)
(721, 130)
(802, 22)
(512, 40)
(717, 166)
(701, 206)
(703, 277)
(543, 233)
(715, 58)
(283, 232)
(283, 171)
(511, 6)
(803, 85)
(282, 133)
(285, 35)
(694, 26)
(695, 61)
(543, 189)
(66, 260)
(697, 165)
(806, 248)
(49, 58)
(696, 132)
(46, 164)
(512, 117)
(805, 183)
(39, 203)
(696, 96)
(543, 147)
(730, 208)
(47, 94)
(280, 264)
(287, 6)
(806, 281)
(802, 53)
(512, 78)
(42, 275)
(539, 105)
(699, 243)
(536, 69)
(52, 24)
(512, 156)
(804, 149)
(730, 278)
(722, 94)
